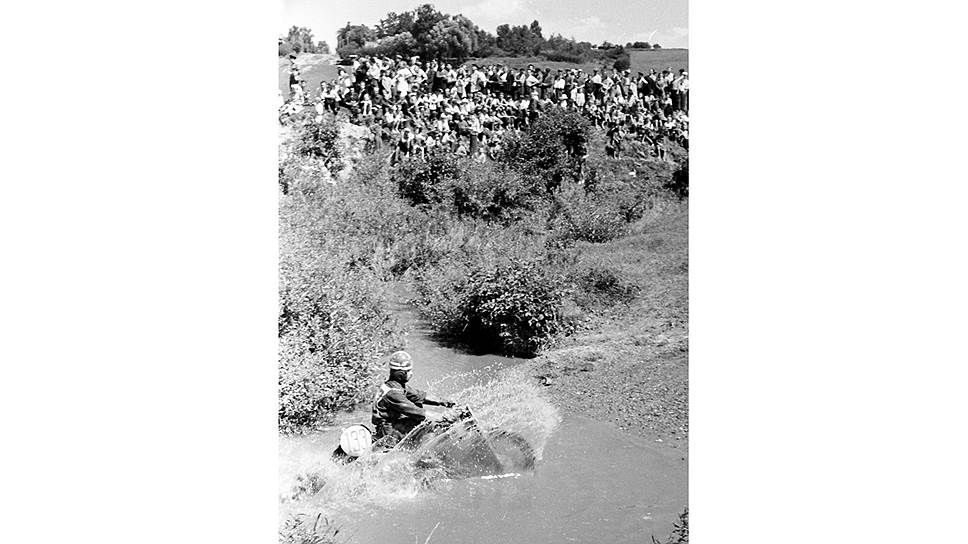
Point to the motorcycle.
(455, 445)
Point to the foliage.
(515, 308)
(520, 40)
(319, 140)
(300, 40)
(465, 188)
(552, 149)
(335, 242)
(424, 181)
(679, 183)
(622, 63)
(284, 48)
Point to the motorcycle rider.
(399, 407)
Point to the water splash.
(311, 482)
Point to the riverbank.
(628, 365)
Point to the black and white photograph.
(483, 305)
(483, 272)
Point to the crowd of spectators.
(413, 106)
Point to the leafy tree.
(395, 23)
(352, 37)
(322, 47)
(300, 40)
(426, 18)
(656, 46)
(535, 29)
(454, 37)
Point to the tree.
(322, 47)
(300, 40)
(536, 29)
(395, 23)
(426, 19)
(656, 46)
(351, 38)
(453, 38)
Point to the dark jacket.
(399, 406)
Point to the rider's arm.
(419, 398)
(399, 401)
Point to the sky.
(618, 21)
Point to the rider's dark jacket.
(398, 408)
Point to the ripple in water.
(312, 483)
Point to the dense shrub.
(679, 182)
(551, 150)
(514, 308)
(333, 324)
(622, 63)
(465, 188)
(320, 141)
(425, 181)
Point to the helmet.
(401, 361)
(355, 440)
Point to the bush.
(468, 189)
(622, 63)
(679, 183)
(319, 141)
(332, 321)
(551, 150)
(513, 308)
(424, 182)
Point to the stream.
(591, 483)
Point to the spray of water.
(311, 482)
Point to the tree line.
(300, 40)
(430, 34)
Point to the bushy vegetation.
(514, 307)
(552, 150)
(468, 189)
(318, 140)
(679, 183)
(493, 251)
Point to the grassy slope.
(630, 365)
(660, 59)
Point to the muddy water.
(592, 483)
